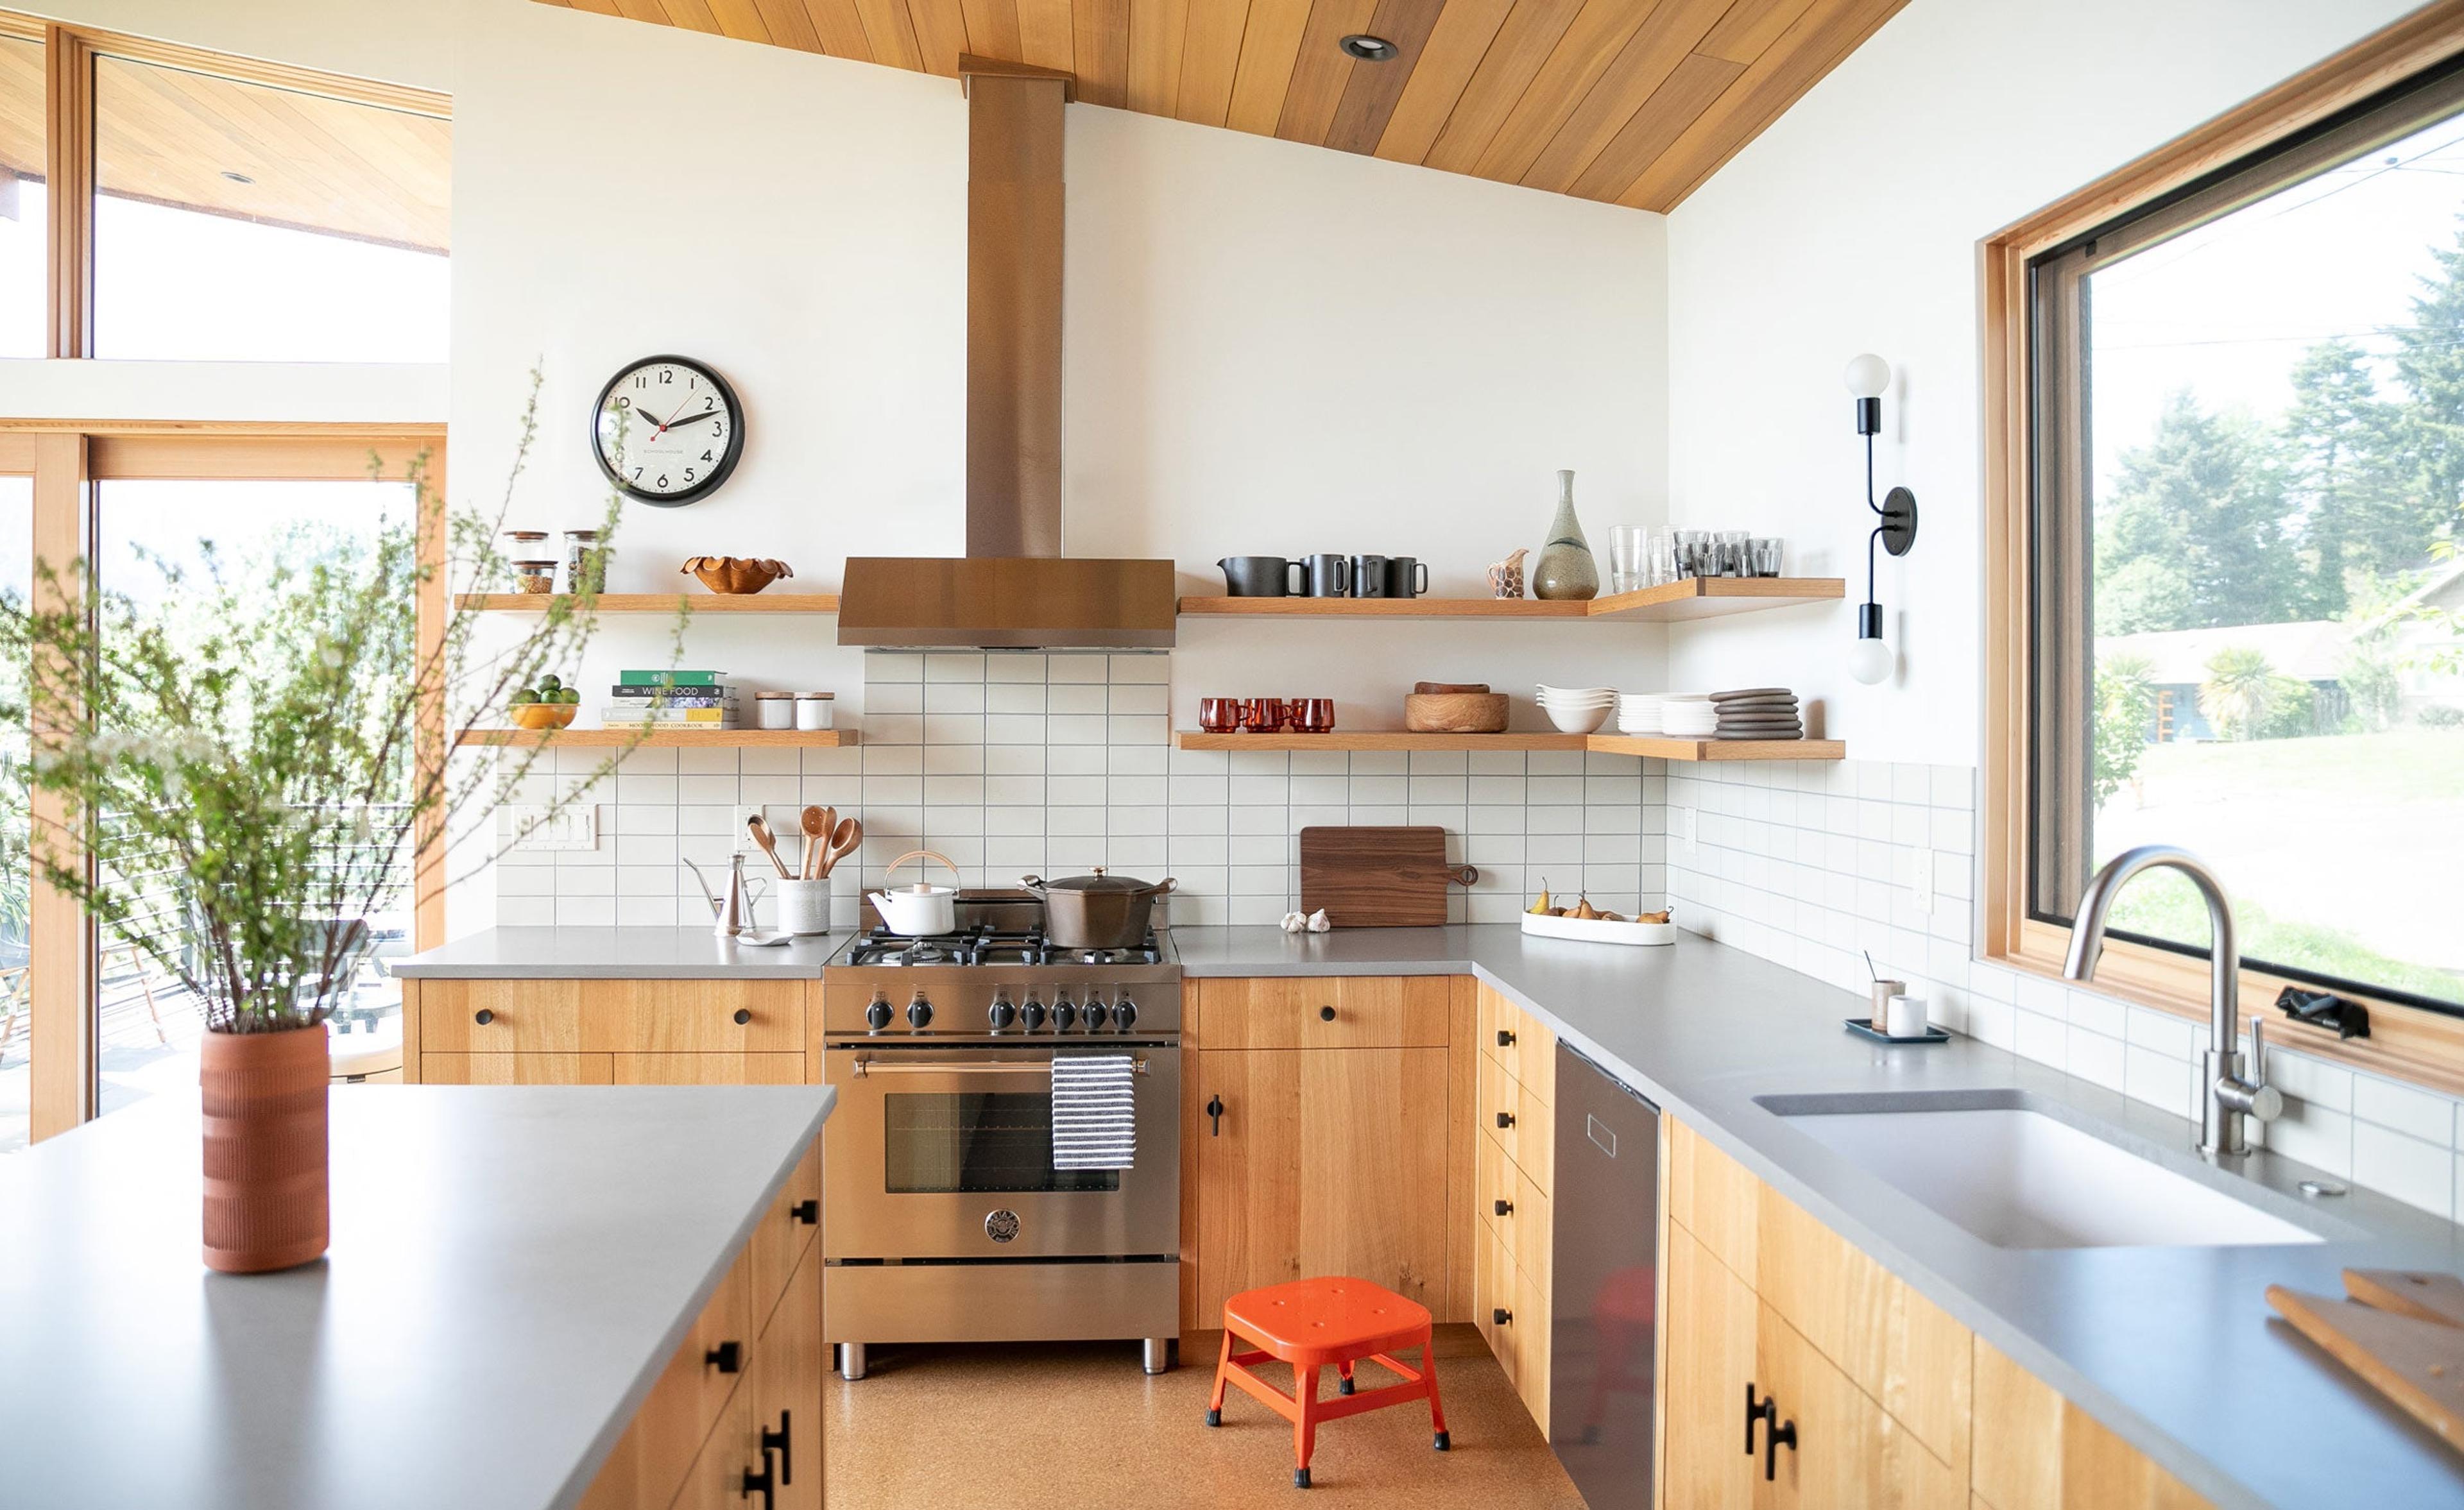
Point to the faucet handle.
(2266, 1102)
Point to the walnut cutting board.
(1377, 877)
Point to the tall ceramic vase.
(265, 1148)
(1564, 568)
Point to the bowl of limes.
(549, 705)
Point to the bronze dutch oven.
(1097, 911)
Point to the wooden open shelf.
(1694, 598)
(659, 603)
(1604, 744)
(659, 738)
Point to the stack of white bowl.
(1639, 713)
(1577, 710)
(1684, 718)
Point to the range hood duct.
(1013, 589)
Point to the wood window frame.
(67, 458)
(69, 53)
(2406, 1041)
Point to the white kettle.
(920, 911)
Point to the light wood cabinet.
(600, 1032)
(515, 1069)
(2037, 1451)
(706, 1069)
(1335, 1012)
(1323, 1162)
(1516, 1154)
(1836, 1448)
(1708, 1336)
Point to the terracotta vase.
(265, 1148)
(1564, 568)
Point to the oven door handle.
(867, 1067)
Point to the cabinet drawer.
(501, 1016)
(1494, 1300)
(1498, 1103)
(694, 1016)
(1496, 1183)
(1849, 1452)
(1500, 1026)
(1338, 1011)
(784, 1232)
(1533, 1244)
(1535, 1152)
(689, 1395)
(706, 1069)
(1519, 1042)
(1712, 1197)
(1531, 1312)
(514, 1069)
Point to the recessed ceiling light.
(1369, 49)
(237, 178)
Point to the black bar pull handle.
(757, 1483)
(1214, 1114)
(1765, 1410)
(1781, 1435)
(782, 1442)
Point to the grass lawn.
(2342, 852)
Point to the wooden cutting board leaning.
(1385, 877)
(2404, 1337)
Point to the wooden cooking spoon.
(844, 839)
(760, 830)
(817, 824)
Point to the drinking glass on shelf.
(1734, 545)
(1661, 565)
(1767, 553)
(1626, 556)
(1689, 552)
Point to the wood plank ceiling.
(1632, 102)
(169, 135)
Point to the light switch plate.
(574, 829)
(1920, 881)
(1683, 822)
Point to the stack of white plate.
(1688, 718)
(1639, 713)
(1577, 710)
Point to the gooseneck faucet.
(2225, 1095)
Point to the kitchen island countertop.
(511, 1268)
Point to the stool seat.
(1324, 1321)
(1315, 1324)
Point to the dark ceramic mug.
(1369, 577)
(1257, 576)
(1326, 575)
(1406, 577)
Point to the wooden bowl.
(544, 715)
(737, 575)
(1455, 712)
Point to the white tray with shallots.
(1599, 930)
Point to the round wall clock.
(667, 430)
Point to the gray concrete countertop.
(2174, 1349)
(510, 1269)
(617, 954)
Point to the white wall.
(1851, 225)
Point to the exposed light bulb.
(1870, 662)
(1868, 375)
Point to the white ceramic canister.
(773, 711)
(815, 709)
(804, 906)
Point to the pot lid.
(1098, 882)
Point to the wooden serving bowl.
(737, 575)
(1455, 712)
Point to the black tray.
(1864, 1028)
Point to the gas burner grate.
(986, 945)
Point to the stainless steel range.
(946, 1219)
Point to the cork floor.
(1081, 1427)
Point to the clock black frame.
(729, 455)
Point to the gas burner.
(987, 945)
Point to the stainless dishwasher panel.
(1604, 1286)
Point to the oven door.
(942, 1151)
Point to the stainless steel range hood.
(1013, 589)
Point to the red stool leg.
(1305, 1428)
(1223, 1376)
(1429, 1373)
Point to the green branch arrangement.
(241, 766)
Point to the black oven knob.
(1124, 1013)
(1000, 1014)
(1065, 1016)
(1096, 1015)
(1030, 1017)
(877, 1016)
(919, 1013)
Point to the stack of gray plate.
(1758, 712)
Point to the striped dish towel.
(1094, 1112)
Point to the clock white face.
(667, 430)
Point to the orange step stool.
(1310, 1323)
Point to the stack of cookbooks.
(670, 700)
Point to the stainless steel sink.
(2020, 1172)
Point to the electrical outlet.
(574, 827)
(744, 816)
(1683, 822)
(1921, 882)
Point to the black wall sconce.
(1869, 378)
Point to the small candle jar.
(773, 711)
(815, 709)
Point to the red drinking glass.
(1262, 716)
(1313, 716)
(1219, 715)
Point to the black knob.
(1504, 1039)
(726, 1358)
(1326, 1014)
(809, 1213)
(1215, 1112)
(1031, 1016)
(1065, 1016)
(1000, 1014)
(1124, 1013)
(1504, 1208)
(782, 1442)
(919, 1013)
(877, 1016)
(1506, 1119)
(1500, 1317)
(483, 1017)
(1097, 1014)
(744, 1016)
